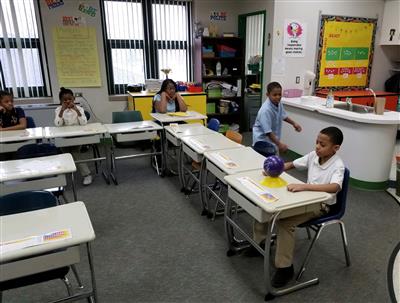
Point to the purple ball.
(273, 166)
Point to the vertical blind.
(254, 35)
(21, 62)
(145, 36)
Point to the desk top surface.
(74, 131)
(132, 127)
(286, 200)
(144, 94)
(215, 141)
(356, 93)
(167, 118)
(236, 160)
(36, 167)
(72, 216)
(184, 130)
(21, 135)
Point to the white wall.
(97, 96)
(308, 12)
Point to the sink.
(355, 108)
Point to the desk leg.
(112, 162)
(202, 185)
(180, 167)
(164, 150)
(73, 187)
(106, 174)
(90, 257)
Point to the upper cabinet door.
(390, 34)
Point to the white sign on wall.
(294, 39)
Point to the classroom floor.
(152, 245)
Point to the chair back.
(234, 136)
(213, 124)
(26, 201)
(127, 116)
(87, 115)
(339, 207)
(36, 150)
(30, 123)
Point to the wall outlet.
(297, 79)
(78, 94)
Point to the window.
(145, 36)
(21, 65)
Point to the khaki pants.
(76, 154)
(285, 235)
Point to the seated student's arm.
(296, 126)
(181, 102)
(59, 120)
(160, 103)
(81, 115)
(329, 188)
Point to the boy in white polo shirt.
(325, 173)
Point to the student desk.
(132, 131)
(226, 162)
(288, 204)
(36, 173)
(34, 259)
(170, 118)
(77, 135)
(11, 140)
(174, 135)
(194, 147)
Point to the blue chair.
(213, 124)
(30, 123)
(36, 150)
(29, 201)
(334, 216)
(127, 116)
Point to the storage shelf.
(223, 115)
(222, 58)
(220, 77)
(219, 98)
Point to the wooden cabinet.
(390, 33)
(219, 50)
(143, 102)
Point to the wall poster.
(345, 52)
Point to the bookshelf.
(218, 49)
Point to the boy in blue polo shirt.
(268, 125)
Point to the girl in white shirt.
(71, 114)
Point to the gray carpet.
(152, 245)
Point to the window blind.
(145, 36)
(21, 60)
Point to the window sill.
(29, 101)
(122, 97)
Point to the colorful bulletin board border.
(345, 52)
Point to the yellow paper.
(345, 54)
(178, 114)
(76, 55)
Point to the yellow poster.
(76, 55)
(346, 52)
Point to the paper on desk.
(199, 144)
(178, 114)
(252, 185)
(175, 127)
(50, 237)
(141, 126)
(225, 160)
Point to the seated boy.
(325, 173)
(11, 118)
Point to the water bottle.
(330, 100)
(218, 68)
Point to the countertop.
(313, 103)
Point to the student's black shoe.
(251, 251)
(282, 276)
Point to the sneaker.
(87, 180)
(282, 276)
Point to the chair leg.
(345, 246)
(308, 255)
(217, 202)
(68, 286)
(95, 156)
(308, 233)
(78, 279)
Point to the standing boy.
(268, 125)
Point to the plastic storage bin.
(292, 93)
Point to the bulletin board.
(345, 52)
(77, 59)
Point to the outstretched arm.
(329, 188)
(296, 126)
